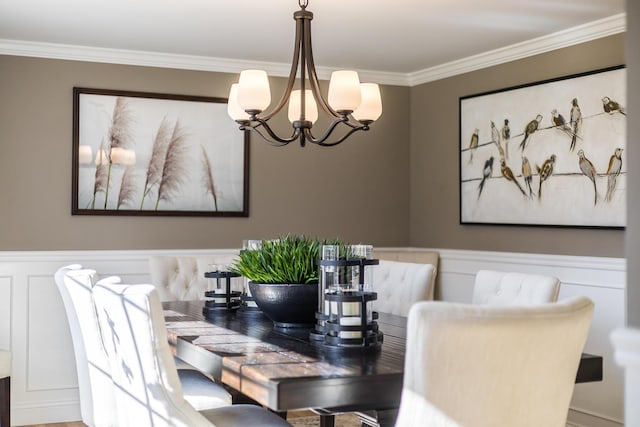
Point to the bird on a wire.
(610, 106)
(531, 127)
(508, 174)
(588, 170)
(473, 144)
(527, 174)
(615, 166)
(545, 172)
(575, 121)
(487, 170)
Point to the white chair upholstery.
(501, 288)
(148, 392)
(487, 366)
(97, 404)
(182, 278)
(400, 284)
(5, 388)
(97, 401)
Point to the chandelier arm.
(313, 76)
(265, 139)
(338, 141)
(276, 140)
(292, 72)
(329, 131)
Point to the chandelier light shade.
(351, 105)
(370, 109)
(310, 108)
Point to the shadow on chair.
(148, 392)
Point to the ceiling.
(390, 38)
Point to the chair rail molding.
(33, 324)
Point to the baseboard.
(46, 412)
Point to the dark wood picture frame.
(141, 153)
(549, 153)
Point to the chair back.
(400, 284)
(488, 366)
(502, 288)
(97, 403)
(181, 278)
(148, 390)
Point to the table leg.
(5, 401)
(327, 420)
(379, 418)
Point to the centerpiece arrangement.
(283, 277)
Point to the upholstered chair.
(148, 392)
(489, 366)
(502, 288)
(400, 284)
(181, 278)
(5, 388)
(97, 402)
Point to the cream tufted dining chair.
(400, 284)
(97, 404)
(5, 388)
(502, 288)
(148, 392)
(488, 366)
(181, 278)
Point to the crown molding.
(572, 36)
(166, 60)
(583, 33)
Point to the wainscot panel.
(44, 387)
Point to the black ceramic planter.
(288, 305)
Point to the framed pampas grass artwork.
(550, 153)
(137, 153)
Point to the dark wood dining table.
(282, 370)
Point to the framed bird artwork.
(550, 153)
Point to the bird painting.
(560, 123)
(505, 132)
(486, 173)
(473, 144)
(588, 170)
(495, 134)
(508, 174)
(575, 121)
(495, 137)
(531, 127)
(615, 166)
(527, 175)
(545, 172)
(610, 106)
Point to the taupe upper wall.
(434, 154)
(357, 191)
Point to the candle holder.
(347, 327)
(222, 298)
(345, 321)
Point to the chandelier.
(351, 105)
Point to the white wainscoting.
(44, 386)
